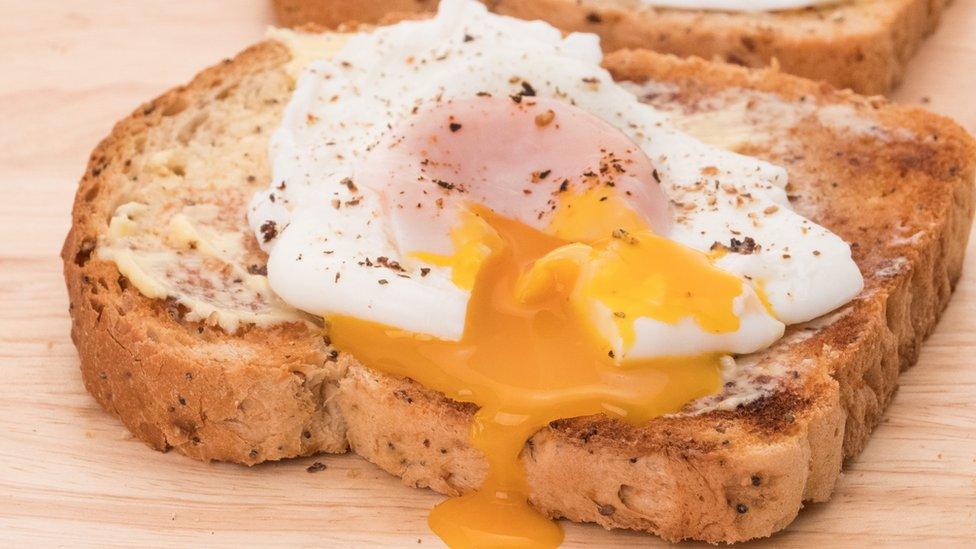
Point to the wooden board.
(71, 475)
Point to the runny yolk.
(474, 240)
(526, 357)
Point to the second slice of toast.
(863, 45)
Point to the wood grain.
(71, 475)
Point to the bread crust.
(723, 476)
(865, 47)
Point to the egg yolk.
(528, 356)
(474, 240)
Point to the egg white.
(328, 234)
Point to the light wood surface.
(71, 475)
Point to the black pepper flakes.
(588, 434)
(348, 182)
(745, 246)
(403, 395)
(269, 230)
(383, 261)
(315, 467)
(544, 119)
(622, 234)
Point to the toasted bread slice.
(896, 182)
(863, 45)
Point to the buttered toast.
(862, 45)
(238, 376)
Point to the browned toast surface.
(863, 45)
(896, 182)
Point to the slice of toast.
(863, 45)
(896, 182)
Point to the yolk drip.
(526, 357)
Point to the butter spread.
(306, 47)
(743, 120)
(192, 260)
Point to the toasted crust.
(864, 46)
(900, 189)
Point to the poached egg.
(471, 201)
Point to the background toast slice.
(862, 45)
(903, 196)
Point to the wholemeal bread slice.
(863, 45)
(221, 372)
